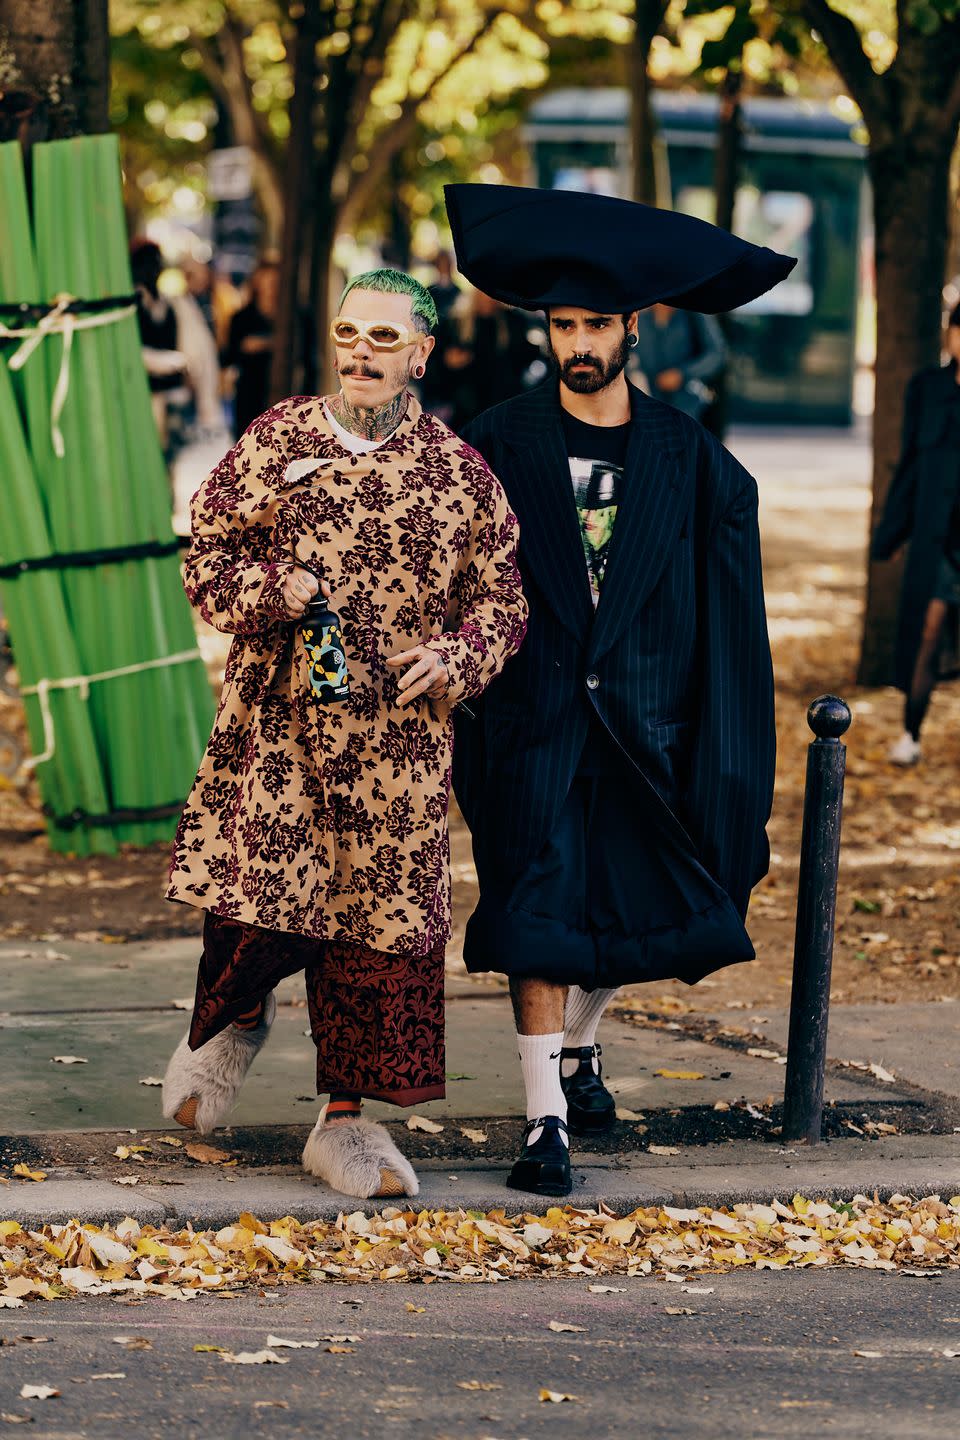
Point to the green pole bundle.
(108, 490)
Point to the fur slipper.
(356, 1157)
(201, 1086)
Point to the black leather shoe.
(544, 1166)
(591, 1109)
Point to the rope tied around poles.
(64, 317)
(43, 688)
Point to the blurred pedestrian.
(165, 362)
(218, 298)
(679, 352)
(923, 507)
(250, 345)
(445, 291)
(483, 356)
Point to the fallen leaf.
(556, 1397)
(479, 1137)
(12, 1419)
(341, 1339)
(559, 1328)
(133, 1342)
(663, 1150)
(151, 1080)
(698, 1289)
(951, 1354)
(68, 1060)
(274, 1342)
(126, 1179)
(185, 1004)
(25, 1173)
(10, 1302)
(339, 1349)
(38, 1392)
(678, 1310)
(210, 1350)
(869, 1354)
(607, 1289)
(253, 1357)
(110, 1375)
(172, 1141)
(881, 1074)
(415, 1309)
(767, 1055)
(680, 1074)
(622, 1113)
(271, 1405)
(206, 1154)
(419, 1122)
(478, 1385)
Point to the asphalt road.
(765, 1356)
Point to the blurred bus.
(802, 190)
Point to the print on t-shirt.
(595, 486)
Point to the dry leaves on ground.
(408, 1244)
(420, 1122)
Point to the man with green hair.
(315, 837)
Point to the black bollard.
(829, 718)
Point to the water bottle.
(323, 642)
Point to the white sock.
(580, 1021)
(541, 1076)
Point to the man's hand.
(299, 589)
(428, 674)
(669, 380)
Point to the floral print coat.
(330, 820)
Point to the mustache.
(582, 360)
(362, 368)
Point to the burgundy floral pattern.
(330, 821)
(376, 1020)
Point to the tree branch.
(842, 39)
(393, 137)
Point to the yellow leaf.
(25, 1173)
(556, 1397)
(619, 1231)
(478, 1385)
(206, 1154)
(9, 1227)
(680, 1074)
(209, 1350)
(415, 1309)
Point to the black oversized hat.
(537, 248)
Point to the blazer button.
(593, 682)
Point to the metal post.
(828, 718)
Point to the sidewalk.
(113, 1007)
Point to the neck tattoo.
(374, 424)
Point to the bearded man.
(617, 778)
(315, 837)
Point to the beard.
(600, 374)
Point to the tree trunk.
(648, 17)
(726, 179)
(910, 198)
(59, 54)
(325, 224)
(286, 369)
(726, 172)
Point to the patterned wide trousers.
(376, 1019)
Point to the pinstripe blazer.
(675, 660)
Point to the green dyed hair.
(396, 282)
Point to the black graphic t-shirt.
(597, 454)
